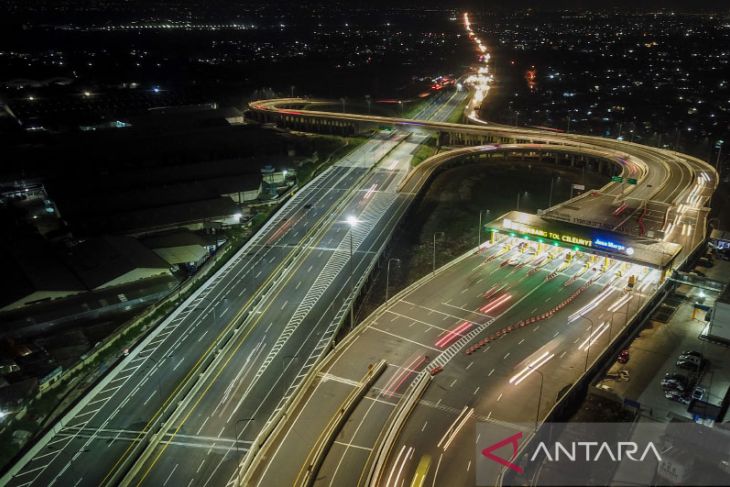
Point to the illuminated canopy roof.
(644, 251)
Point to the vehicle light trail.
(620, 302)
(496, 303)
(453, 334)
(402, 375)
(530, 368)
(594, 336)
(592, 305)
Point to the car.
(690, 363)
(513, 261)
(699, 273)
(623, 357)
(674, 381)
(676, 396)
(307, 206)
(704, 262)
(698, 393)
(693, 353)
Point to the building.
(719, 327)
(178, 247)
(108, 261)
(33, 274)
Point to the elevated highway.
(430, 325)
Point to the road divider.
(308, 473)
(389, 434)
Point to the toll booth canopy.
(644, 251)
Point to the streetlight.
(292, 90)
(368, 100)
(433, 260)
(550, 195)
(352, 221)
(718, 146)
(539, 396)
(517, 117)
(343, 104)
(400, 104)
(387, 277)
(479, 230)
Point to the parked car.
(623, 357)
(698, 393)
(693, 353)
(690, 360)
(704, 262)
(674, 382)
(675, 395)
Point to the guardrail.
(274, 426)
(408, 402)
(317, 455)
(144, 449)
(580, 386)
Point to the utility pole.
(433, 260)
(550, 195)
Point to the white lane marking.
(171, 472)
(490, 372)
(149, 397)
(476, 390)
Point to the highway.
(240, 345)
(184, 407)
(423, 328)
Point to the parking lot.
(673, 330)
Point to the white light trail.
(530, 368)
(595, 335)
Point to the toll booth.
(596, 241)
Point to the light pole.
(518, 201)
(400, 104)
(568, 130)
(613, 314)
(718, 146)
(343, 104)
(352, 221)
(387, 277)
(539, 396)
(550, 195)
(292, 91)
(517, 117)
(590, 337)
(367, 99)
(479, 230)
(433, 260)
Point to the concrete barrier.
(316, 457)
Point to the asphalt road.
(293, 329)
(676, 186)
(126, 404)
(410, 330)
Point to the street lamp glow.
(352, 220)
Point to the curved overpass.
(668, 182)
